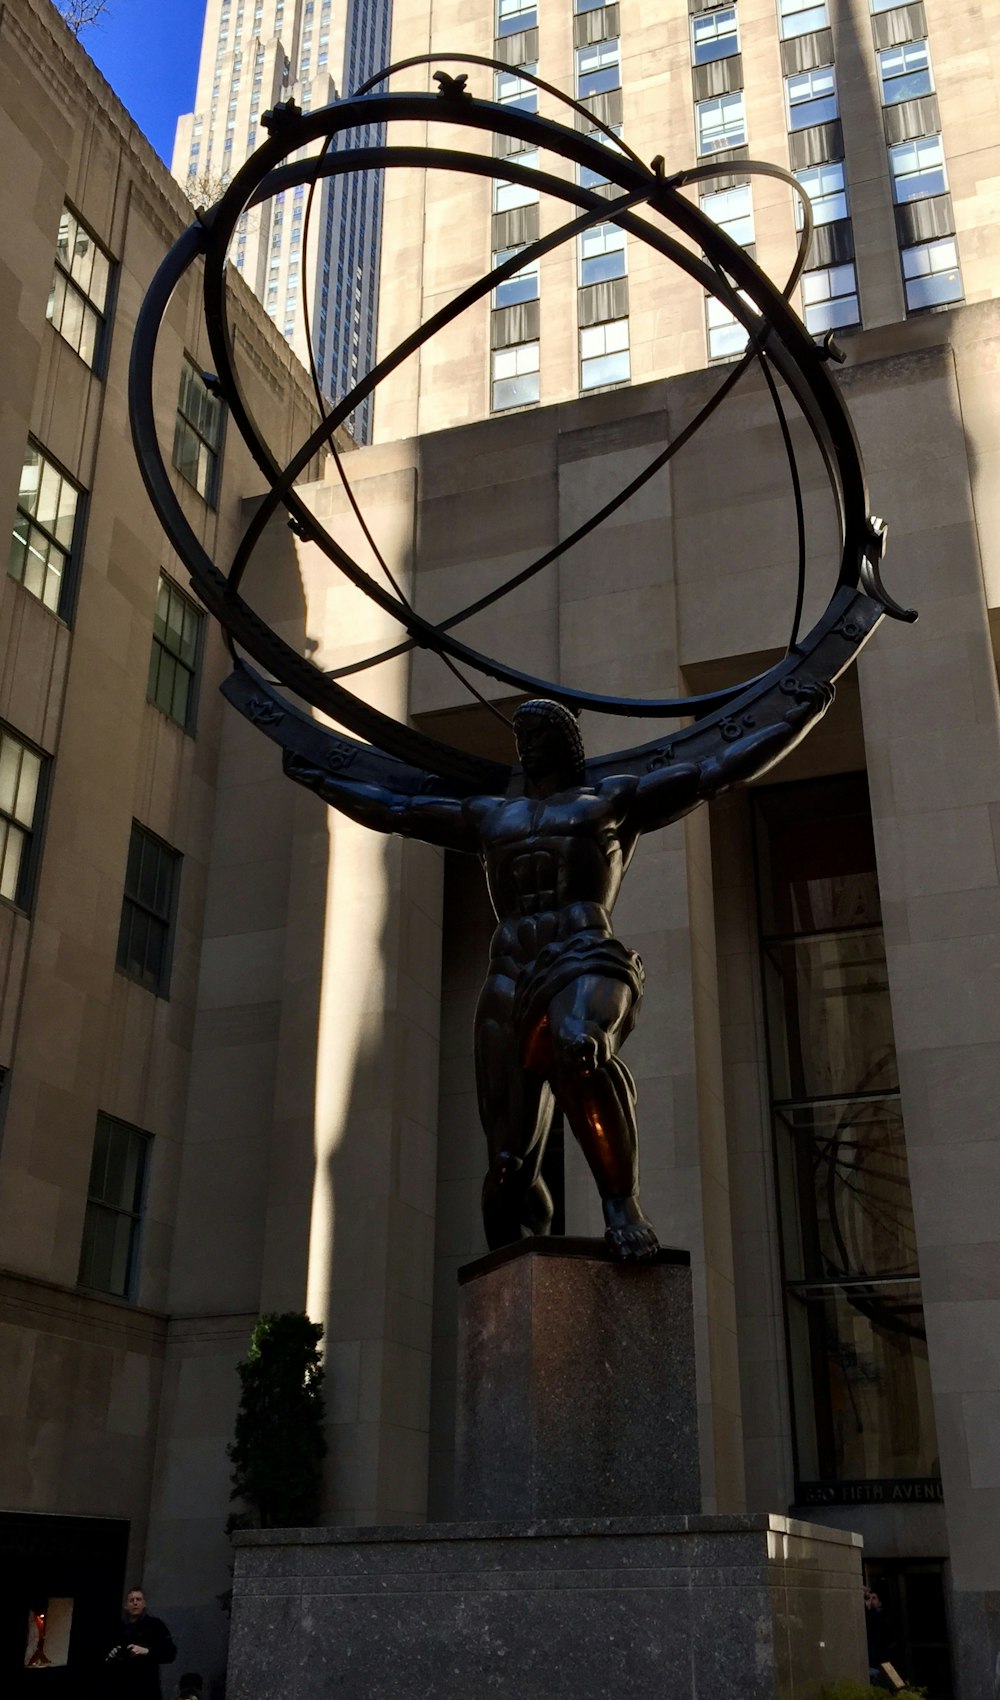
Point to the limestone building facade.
(236, 1028)
(886, 113)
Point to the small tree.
(80, 14)
(278, 1445)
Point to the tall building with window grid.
(869, 103)
(254, 54)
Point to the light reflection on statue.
(561, 993)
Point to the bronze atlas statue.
(557, 833)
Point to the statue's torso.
(554, 867)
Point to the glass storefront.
(856, 1342)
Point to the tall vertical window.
(714, 35)
(800, 17)
(109, 1254)
(515, 376)
(905, 72)
(508, 195)
(812, 97)
(78, 298)
(21, 770)
(604, 354)
(830, 298)
(732, 211)
(523, 286)
(198, 433)
(824, 184)
(145, 934)
(514, 90)
(602, 254)
(515, 15)
(173, 660)
(931, 275)
(918, 169)
(45, 529)
(721, 123)
(598, 68)
(857, 1346)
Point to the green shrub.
(278, 1446)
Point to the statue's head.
(549, 742)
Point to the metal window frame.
(137, 1215)
(70, 579)
(188, 725)
(168, 920)
(211, 496)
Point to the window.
(714, 35)
(727, 337)
(173, 661)
(587, 5)
(905, 72)
(598, 68)
(604, 354)
(109, 1255)
(593, 179)
(198, 433)
(732, 211)
(508, 195)
(515, 376)
(857, 1347)
(918, 169)
(21, 771)
(144, 938)
(602, 254)
(514, 15)
(721, 123)
(79, 294)
(931, 275)
(515, 90)
(44, 530)
(824, 184)
(812, 97)
(799, 17)
(523, 286)
(830, 298)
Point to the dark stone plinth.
(682, 1608)
(576, 1384)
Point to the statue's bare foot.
(628, 1233)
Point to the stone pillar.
(932, 732)
(576, 1385)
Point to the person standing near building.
(144, 1644)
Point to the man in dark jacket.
(144, 1644)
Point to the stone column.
(932, 731)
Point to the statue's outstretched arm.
(670, 792)
(437, 820)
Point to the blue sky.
(148, 50)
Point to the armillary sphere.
(394, 754)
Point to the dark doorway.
(915, 1620)
(61, 1585)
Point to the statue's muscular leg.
(595, 1092)
(515, 1108)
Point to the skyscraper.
(255, 53)
(869, 104)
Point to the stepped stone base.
(750, 1607)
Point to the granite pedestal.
(671, 1608)
(576, 1384)
(583, 1569)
